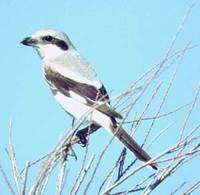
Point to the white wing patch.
(77, 97)
(79, 109)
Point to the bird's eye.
(47, 38)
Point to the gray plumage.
(76, 87)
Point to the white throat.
(49, 51)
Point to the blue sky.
(122, 39)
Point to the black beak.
(29, 41)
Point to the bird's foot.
(82, 135)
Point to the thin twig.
(61, 178)
(5, 177)
(194, 187)
(178, 188)
(25, 177)
(159, 116)
(81, 178)
(189, 113)
(11, 153)
(82, 165)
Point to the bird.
(77, 88)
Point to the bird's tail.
(110, 124)
(132, 145)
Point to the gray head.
(49, 43)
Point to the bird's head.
(49, 43)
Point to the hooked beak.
(28, 41)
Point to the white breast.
(78, 110)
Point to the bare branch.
(61, 178)
(159, 116)
(178, 188)
(194, 187)
(12, 157)
(81, 178)
(5, 177)
(25, 177)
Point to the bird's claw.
(82, 137)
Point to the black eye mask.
(51, 40)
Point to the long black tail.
(122, 136)
(132, 145)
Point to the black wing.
(89, 92)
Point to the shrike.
(76, 87)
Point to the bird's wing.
(92, 96)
